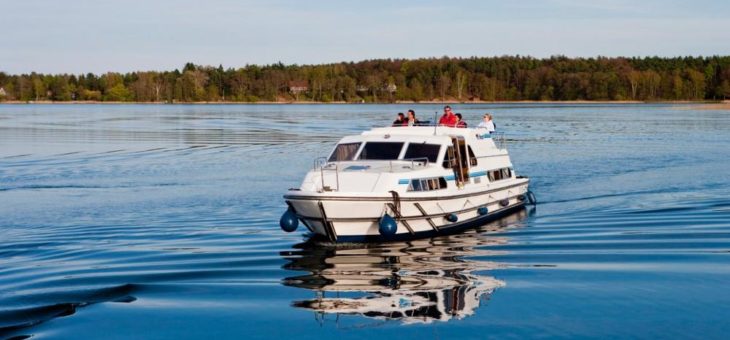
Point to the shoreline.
(719, 103)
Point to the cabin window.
(472, 159)
(381, 150)
(430, 151)
(449, 158)
(500, 174)
(427, 184)
(344, 152)
(506, 173)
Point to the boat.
(407, 182)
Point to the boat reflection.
(420, 281)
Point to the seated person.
(448, 119)
(411, 120)
(459, 122)
(487, 123)
(400, 120)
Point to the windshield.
(344, 152)
(381, 150)
(430, 151)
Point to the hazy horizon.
(99, 36)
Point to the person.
(411, 120)
(487, 123)
(459, 122)
(400, 120)
(448, 119)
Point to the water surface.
(160, 221)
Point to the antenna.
(435, 123)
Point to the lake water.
(161, 221)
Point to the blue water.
(160, 221)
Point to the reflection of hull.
(416, 282)
(420, 306)
(355, 219)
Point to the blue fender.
(387, 226)
(452, 217)
(289, 221)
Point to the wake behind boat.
(400, 183)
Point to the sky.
(79, 36)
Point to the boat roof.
(419, 134)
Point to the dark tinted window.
(381, 150)
(427, 184)
(500, 174)
(472, 159)
(449, 158)
(344, 152)
(430, 151)
(506, 173)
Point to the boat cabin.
(441, 153)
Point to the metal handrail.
(423, 160)
(429, 124)
(499, 141)
(319, 162)
(413, 161)
(323, 164)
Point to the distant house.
(298, 86)
(390, 88)
(361, 88)
(2, 92)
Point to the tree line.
(507, 78)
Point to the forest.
(507, 78)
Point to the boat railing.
(319, 162)
(420, 162)
(420, 123)
(499, 140)
(322, 164)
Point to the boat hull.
(353, 218)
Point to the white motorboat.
(400, 183)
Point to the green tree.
(118, 93)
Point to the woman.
(411, 120)
(487, 123)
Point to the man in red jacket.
(448, 119)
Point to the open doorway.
(458, 160)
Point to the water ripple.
(160, 221)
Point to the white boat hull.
(352, 217)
